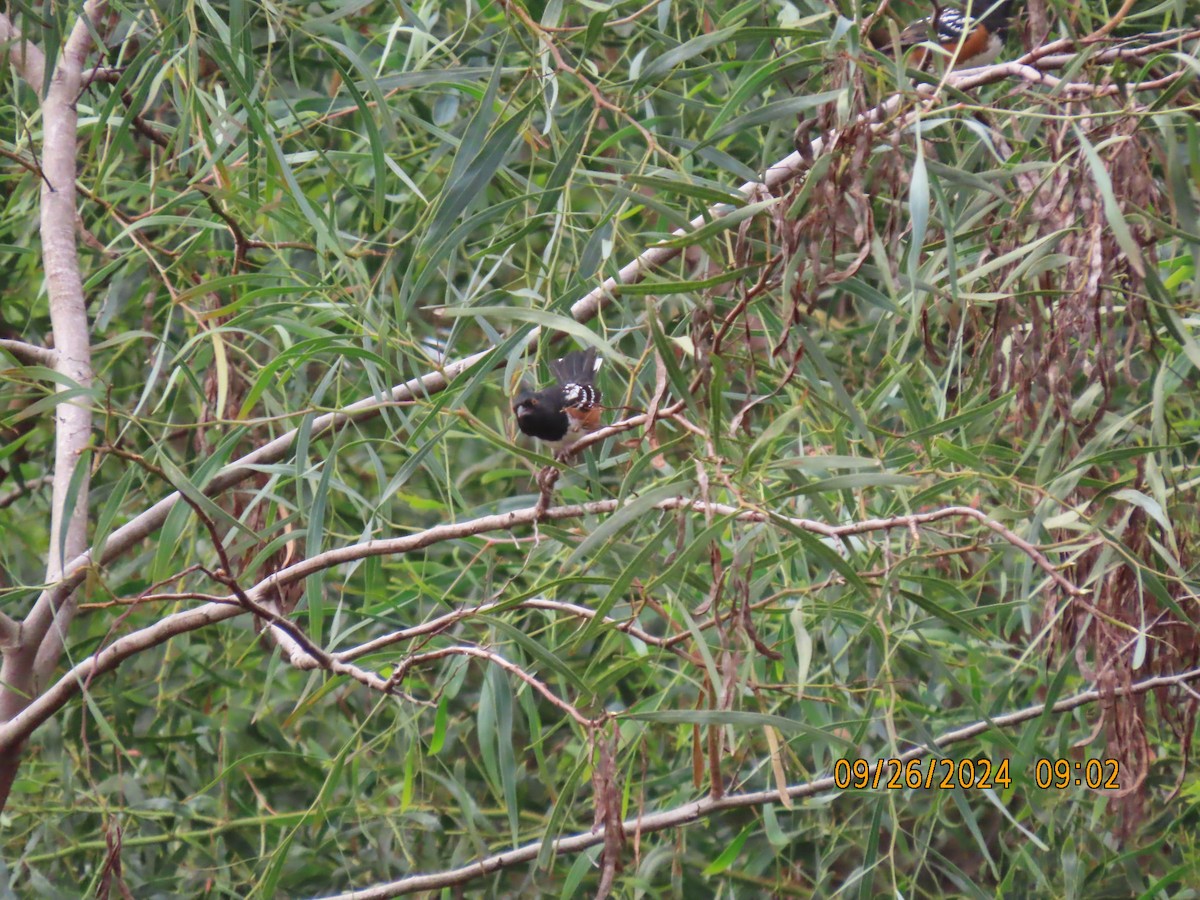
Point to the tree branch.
(35, 651)
(68, 316)
(10, 632)
(706, 807)
(496, 659)
(14, 731)
(22, 725)
(29, 354)
(530, 515)
(27, 59)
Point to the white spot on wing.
(581, 396)
(950, 25)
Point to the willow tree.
(879, 577)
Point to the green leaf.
(624, 516)
(731, 853)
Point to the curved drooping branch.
(681, 816)
(16, 730)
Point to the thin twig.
(420, 659)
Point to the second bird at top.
(972, 38)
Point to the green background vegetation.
(998, 315)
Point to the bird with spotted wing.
(565, 411)
(972, 37)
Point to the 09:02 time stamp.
(942, 774)
(946, 774)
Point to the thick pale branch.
(530, 515)
(26, 56)
(686, 814)
(29, 354)
(1052, 56)
(43, 630)
(32, 650)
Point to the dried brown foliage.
(1075, 325)
(1058, 331)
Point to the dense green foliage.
(287, 209)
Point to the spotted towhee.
(567, 410)
(973, 38)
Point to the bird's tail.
(993, 14)
(578, 367)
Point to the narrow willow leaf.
(730, 854)
(624, 516)
(804, 646)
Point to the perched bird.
(972, 38)
(567, 410)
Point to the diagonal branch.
(19, 727)
(689, 813)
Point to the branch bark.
(29, 354)
(531, 515)
(689, 813)
(31, 657)
(26, 56)
(15, 730)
